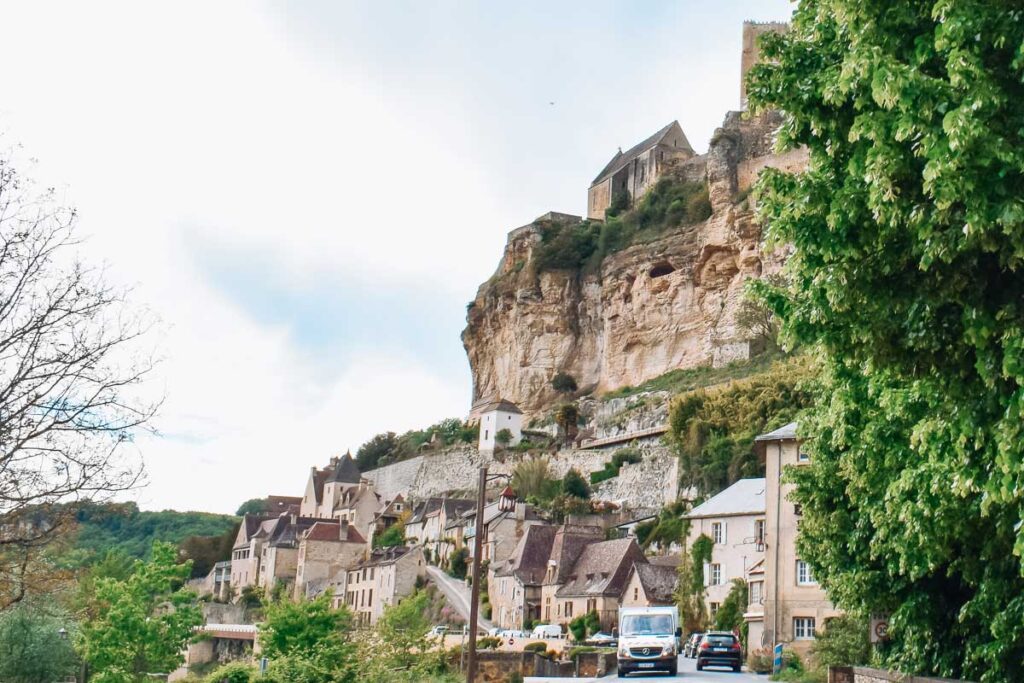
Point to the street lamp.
(506, 503)
(63, 633)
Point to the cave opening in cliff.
(661, 270)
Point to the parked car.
(692, 643)
(439, 631)
(511, 633)
(546, 631)
(602, 639)
(719, 648)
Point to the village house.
(430, 525)
(734, 520)
(266, 551)
(339, 492)
(597, 581)
(382, 579)
(568, 545)
(501, 530)
(632, 173)
(794, 606)
(652, 583)
(515, 587)
(325, 549)
(496, 416)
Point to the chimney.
(294, 518)
(343, 532)
(334, 461)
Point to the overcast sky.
(309, 193)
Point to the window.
(636, 593)
(798, 510)
(716, 575)
(718, 533)
(802, 456)
(759, 531)
(803, 628)
(568, 609)
(714, 608)
(804, 577)
(486, 435)
(756, 590)
(591, 605)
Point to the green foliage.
(573, 484)
(667, 528)
(690, 591)
(308, 640)
(539, 646)
(233, 672)
(532, 480)
(488, 643)
(845, 641)
(378, 448)
(578, 628)
(907, 232)
(31, 649)
(730, 612)
(578, 650)
(392, 536)
(253, 506)
(206, 551)
(678, 381)
(563, 505)
(611, 469)
(713, 431)
(592, 622)
(457, 562)
(142, 623)
(515, 677)
(387, 448)
(566, 246)
(503, 437)
(122, 527)
(564, 383)
(401, 644)
(567, 418)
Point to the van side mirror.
(679, 632)
(615, 632)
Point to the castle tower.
(752, 31)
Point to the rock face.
(651, 308)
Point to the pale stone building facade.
(385, 577)
(325, 549)
(496, 416)
(795, 607)
(734, 520)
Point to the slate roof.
(529, 561)
(744, 497)
(569, 543)
(383, 556)
(658, 581)
(346, 471)
(279, 504)
(622, 158)
(319, 478)
(283, 533)
(785, 433)
(499, 404)
(602, 569)
(331, 531)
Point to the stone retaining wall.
(859, 674)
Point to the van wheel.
(700, 667)
(674, 669)
(622, 674)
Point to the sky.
(307, 194)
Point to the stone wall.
(858, 674)
(649, 483)
(751, 55)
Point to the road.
(457, 593)
(687, 672)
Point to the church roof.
(622, 158)
(346, 471)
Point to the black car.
(719, 648)
(690, 647)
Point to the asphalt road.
(457, 593)
(687, 672)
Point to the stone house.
(650, 585)
(570, 540)
(430, 525)
(795, 607)
(496, 416)
(390, 513)
(339, 492)
(735, 522)
(244, 561)
(266, 551)
(502, 530)
(515, 586)
(597, 581)
(633, 172)
(324, 550)
(382, 579)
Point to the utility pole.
(474, 599)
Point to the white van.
(648, 639)
(546, 631)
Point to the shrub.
(539, 647)
(488, 643)
(575, 652)
(592, 622)
(515, 677)
(457, 563)
(578, 628)
(844, 642)
(234, 672)
(503, 437)
(564, 383)
(574, 485)
(760, 661)
(611, 469)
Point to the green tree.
(690, 591)
(309, 641)
(567, 418)
(400, 649)
(532, 479)
(141, 624)
(31, 647)
(253, 506)
(503, 437)
(730, 612)
(377, 451)
(233, 672)
(844, 642)
(392, 536)
(457, 563)
(564, 383)
(573, 484)
(907, 231)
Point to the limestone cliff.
(650, 308)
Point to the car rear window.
(720, 639)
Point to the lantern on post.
(507, 500)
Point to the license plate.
(721, 649)
(647, 665)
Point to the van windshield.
(646, 625)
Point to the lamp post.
(506, 503)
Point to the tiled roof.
(666, 560)
(602, 568)
(346, 471)
(383, 556)
(331, 531)
(499, 404)
(569, 544)
(658, 581)
(784, 433)
(279, 504)
(529, 560)
(622, 158)
(744, 497)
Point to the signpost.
(879, 628)
(777, 661)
